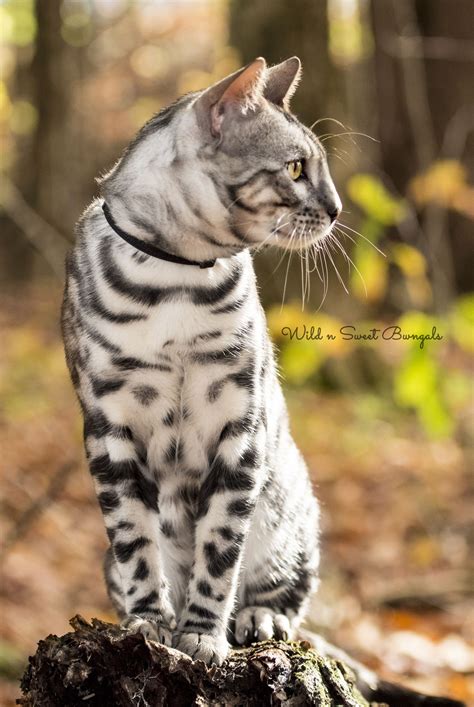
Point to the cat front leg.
(226, 504)
(128, 497)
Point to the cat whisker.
(312, 249)
(324, 268)
(308, 262)
(287, 270)
(335, 243)
(335, 268)
(266, 239)
(286, 248)
(361, 235)
(315, 250)
(349, 133)
(333, 120)
(300, 255)
(275, 230)
(345, 156)
(302, 262)
(232, 203)
(351, 262)
(307, 277)
(334, 154)
(318, 255)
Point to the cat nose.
(333, 212)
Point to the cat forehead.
(271, 132)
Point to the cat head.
(225, 169)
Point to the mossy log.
(100, 664)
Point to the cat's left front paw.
(150, 627)
(212, 650)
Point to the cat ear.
(240, 92)
(282, 81)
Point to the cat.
(208, 507)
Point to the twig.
(31, 514)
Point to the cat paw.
(212, 650)
(258, 623)
(152, 628)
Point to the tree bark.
(101, 664)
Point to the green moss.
(324, 681)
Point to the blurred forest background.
(386, 426)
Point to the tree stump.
(100, 664)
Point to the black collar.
(149, 248)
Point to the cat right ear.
(237, 94)
(282, 82)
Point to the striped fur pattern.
(207, 504)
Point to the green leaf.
(462, 322)
(417, 384)
(370, 279)
(18, 21)
(368, 192)
(299, 360)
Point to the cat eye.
(295, 169)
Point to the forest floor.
(395, 513)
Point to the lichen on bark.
(101, 664)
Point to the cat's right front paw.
(151, 627)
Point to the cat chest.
(186, 387)
(174, 329)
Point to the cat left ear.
(238, 93)
(282, 82)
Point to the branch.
(100, 664)
(443, 48)
(45, 239)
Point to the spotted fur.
(206, 500)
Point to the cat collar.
(149, 248)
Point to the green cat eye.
(295, 169)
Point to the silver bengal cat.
(208, 507)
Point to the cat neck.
(149, 248)
(158, 227)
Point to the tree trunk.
(277, 30)
(421, 55)
(100, 664)
(58, 152)
(50, 162)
